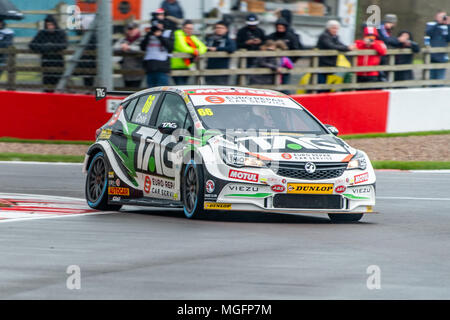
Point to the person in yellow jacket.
(186, 42)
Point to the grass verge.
(11, 156)
(412, 165)
(392, 135)
(17, 140)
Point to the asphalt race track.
(158, 254)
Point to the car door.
(164, 184)
(139, 134)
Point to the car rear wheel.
(96, 184)
(345, 217)
(193, 190)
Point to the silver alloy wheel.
(191, 189)
(96, 180)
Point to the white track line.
(45, 163)
(413, 198)
(58, 217)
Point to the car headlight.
(358, 162)
(240, 159)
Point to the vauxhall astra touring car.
(205, 148)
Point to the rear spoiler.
(101, 93)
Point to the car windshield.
(258, 117)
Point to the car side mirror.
(332, 129)
(168, 127)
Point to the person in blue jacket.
(439, 33)
(219, 41)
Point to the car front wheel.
(193, 190)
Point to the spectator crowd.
(165, 37)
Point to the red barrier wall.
(30, 115)
(350, 112)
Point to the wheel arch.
(91, 152)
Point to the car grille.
(297, 170)
(308, 201)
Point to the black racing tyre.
(96, 184)
(345, 217)
(192, 185)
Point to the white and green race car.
(205, 148)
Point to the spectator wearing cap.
(219, 41)
(439, 33)
(370, 42)
(329, 40)
(186, 42)
(6, 41)
(386, 31)
(158, 46)
(159, 17)
(172, 8)
(130, 43)
(50, 42)
(250, 37)
(282, 33)
(386, 34)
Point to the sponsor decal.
(237, 91)
(111, 183)
(119, 191)
(115, 198)
(105, 134)
(111, 174)
(361, 190)
(242, 188)
(360, 178)
(118, 182)
(286, 156)
(278, 188)
(211, 196)
(310, 188)
(245, 176)
(217, 206)
(147, 184)
(214, 99)
(210, 186)
(158, 187)
(171, 125)
(340, 189)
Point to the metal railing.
(309, 59)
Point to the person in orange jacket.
(370, 42)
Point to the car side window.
(173, 109)
(144, 108)
(130, 108)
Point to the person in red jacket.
(370, 42)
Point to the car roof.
(207, 90)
